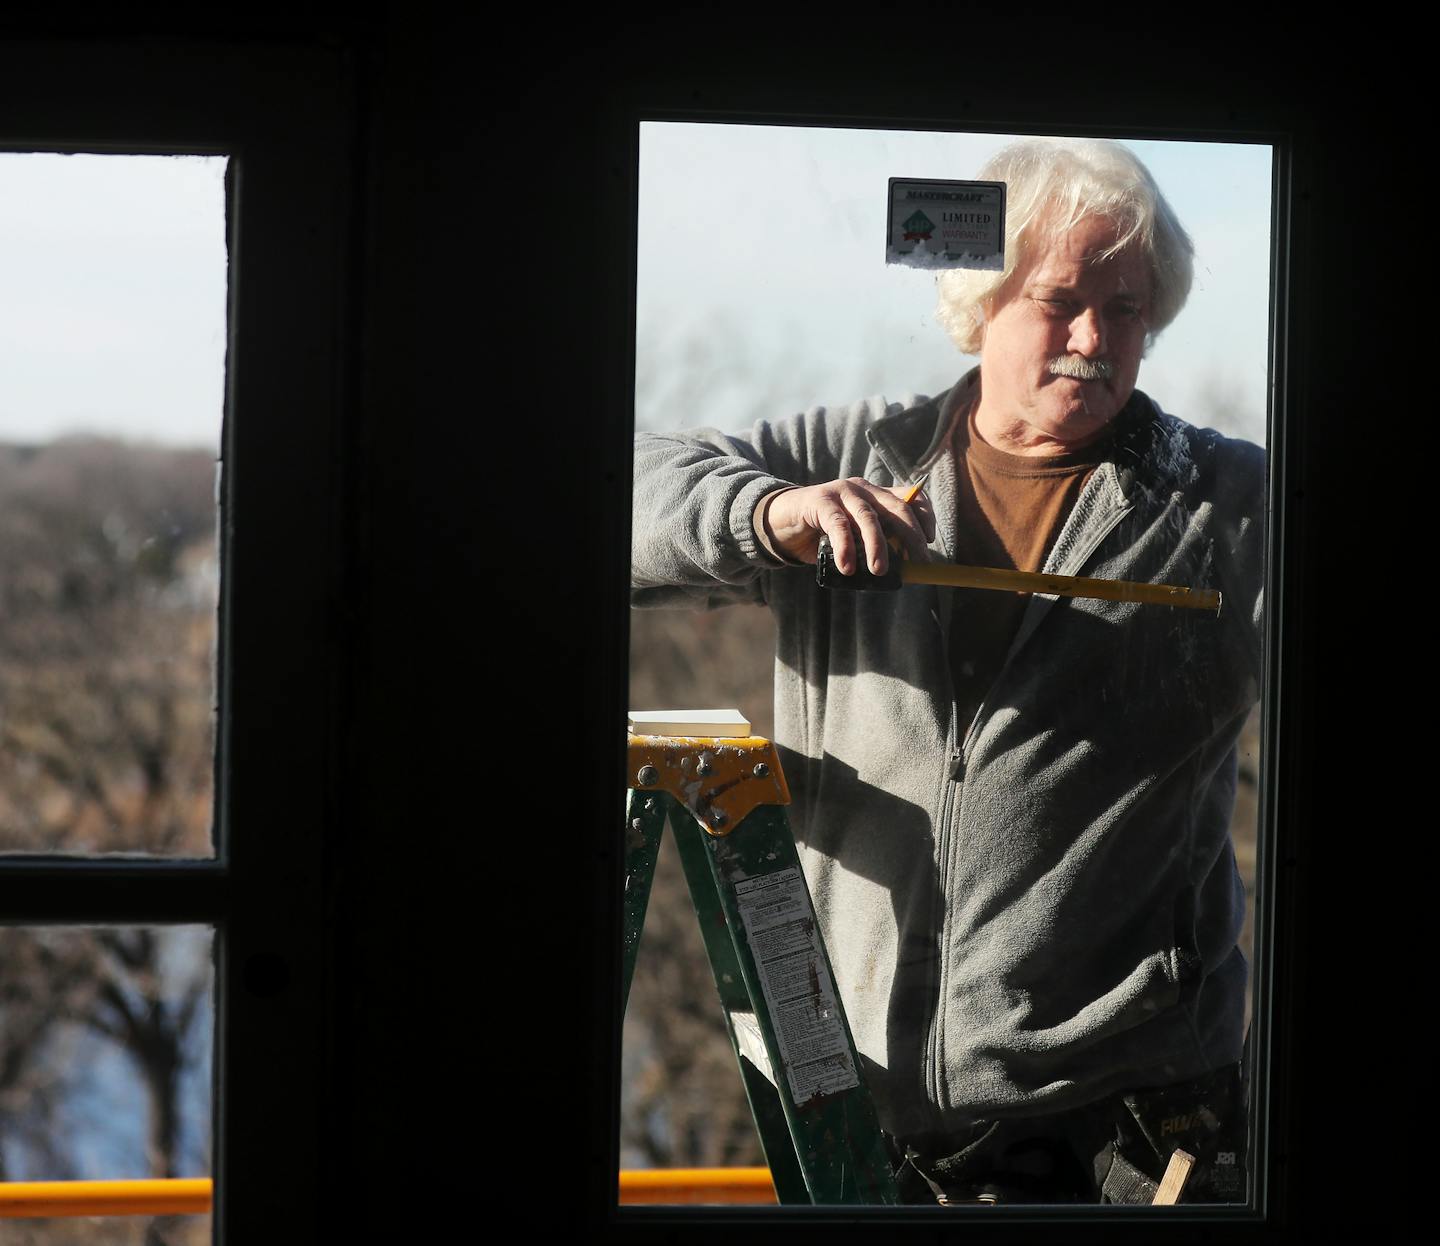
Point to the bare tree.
(683, 1102)
(107, 606)
(107, 609)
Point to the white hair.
(1051, 185)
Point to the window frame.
(1274, 1034)
(283, 116)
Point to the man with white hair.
(1013, 811)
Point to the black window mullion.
(46, 892)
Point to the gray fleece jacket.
(1040, 907)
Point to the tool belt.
(1112, 1151)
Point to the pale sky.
(112, 297)
(761, 285)
(763, 289)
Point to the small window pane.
(112, 356)
(106, 1042)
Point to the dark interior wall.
(466, 1009)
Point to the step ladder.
(724, 797)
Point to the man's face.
(1069, 311)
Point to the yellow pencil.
(911, 494)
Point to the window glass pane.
(762, 291)
(112, 350)
(106, 1041)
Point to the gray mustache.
(1079, 369)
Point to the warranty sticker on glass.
(946, 224)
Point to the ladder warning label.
(797, 985)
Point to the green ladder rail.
(725, 802)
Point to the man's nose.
(1087, 334)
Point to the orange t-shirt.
(1011, 509)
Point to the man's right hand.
(855, 515)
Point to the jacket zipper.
(960, 749)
